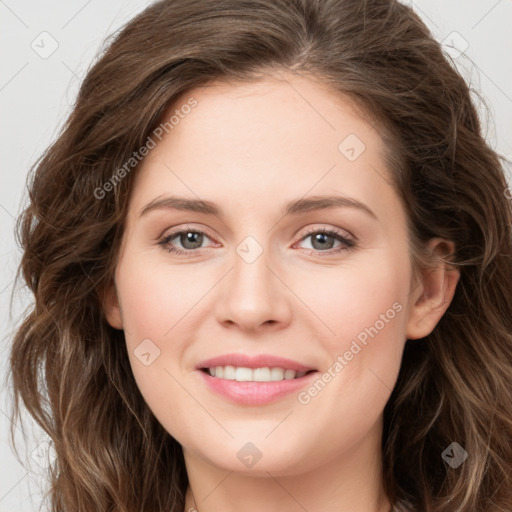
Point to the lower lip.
(255, 393)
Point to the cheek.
(363, 310)
(351, 300)
(156, 297)
(154, 305)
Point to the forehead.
(279, 136)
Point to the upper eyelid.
(325, 228)
(180, 230)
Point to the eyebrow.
(295, 207)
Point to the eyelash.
(347, 243)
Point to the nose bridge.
(254, 294)
(251, 275)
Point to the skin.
(250, 148)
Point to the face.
(295, 268)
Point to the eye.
(323, 239)
(189, 238)
(192, 239)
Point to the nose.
(254, 293)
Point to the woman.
(201, 348)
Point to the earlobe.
(435, 291)
(112, 307)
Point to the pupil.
(320, 237)
(190, 237)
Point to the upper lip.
(253, 361)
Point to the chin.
(259, 459)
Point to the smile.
(263, 374)
(254, 379)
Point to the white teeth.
(229, 372)
(261, 374)
(276, 374)
(290, 374)
(243, 374)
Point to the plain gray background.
(46, 49)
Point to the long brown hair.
(70, 369)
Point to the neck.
(349, 482)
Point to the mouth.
(254, 380)
(260, 374)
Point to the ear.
(111, 306)
(434, 292)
